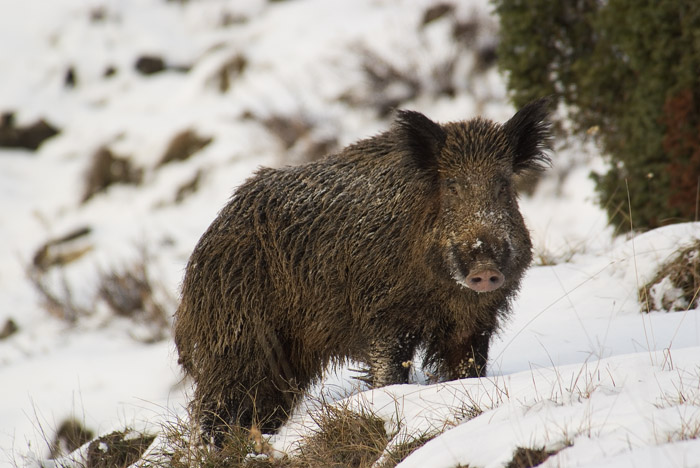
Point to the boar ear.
(529, 131)
(419, 136)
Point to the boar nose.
(485, 280)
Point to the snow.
(578, 367)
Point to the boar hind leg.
(259, 405)
(282, 381)
(257, 390)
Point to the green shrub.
(629, 73)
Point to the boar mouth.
(481, 275)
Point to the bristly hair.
(419, 136)
(529, 131)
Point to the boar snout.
(480, 267)
(484, 279)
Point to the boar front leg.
(467, 356)
(390, 360)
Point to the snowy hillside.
(163, 107)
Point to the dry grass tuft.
(689, 429)
(150, 64)
(676, 286)
(108, 169)
(189, 187)
(70, 435)
(388, 86)
(61, 251)
(230, 70)
(183, 145)
(469, 411)
(685, 403)
(130, 293)
(53, 256)
(398, 452)
(436, 12)
(8, 329)
(127, 292)
(288, 129)
(345, 438)
(29, 136)
(303, 139)
(529, 457)
(118, 449)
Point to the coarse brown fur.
(365, 255)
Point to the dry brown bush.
(131, 293)
(676, 286)
(29, 136)
(529, 457)
(299, 137)
(70, 435)
(345, 438)
(183, 145)
(9, 329)
(107, 169)
(128, 292)
(118, 449)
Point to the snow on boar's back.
(410, 238)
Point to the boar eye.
(502, 188)
(451, 186)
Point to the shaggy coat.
(412, 238)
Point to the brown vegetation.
(676, 286)
(127, 292)
(183, 145)
(28, 136)
(107, 169)
(529, 457)
(70, 435)
(118, 449)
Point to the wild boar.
(412, 238)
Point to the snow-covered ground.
(578, 366)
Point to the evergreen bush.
(628, 72)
